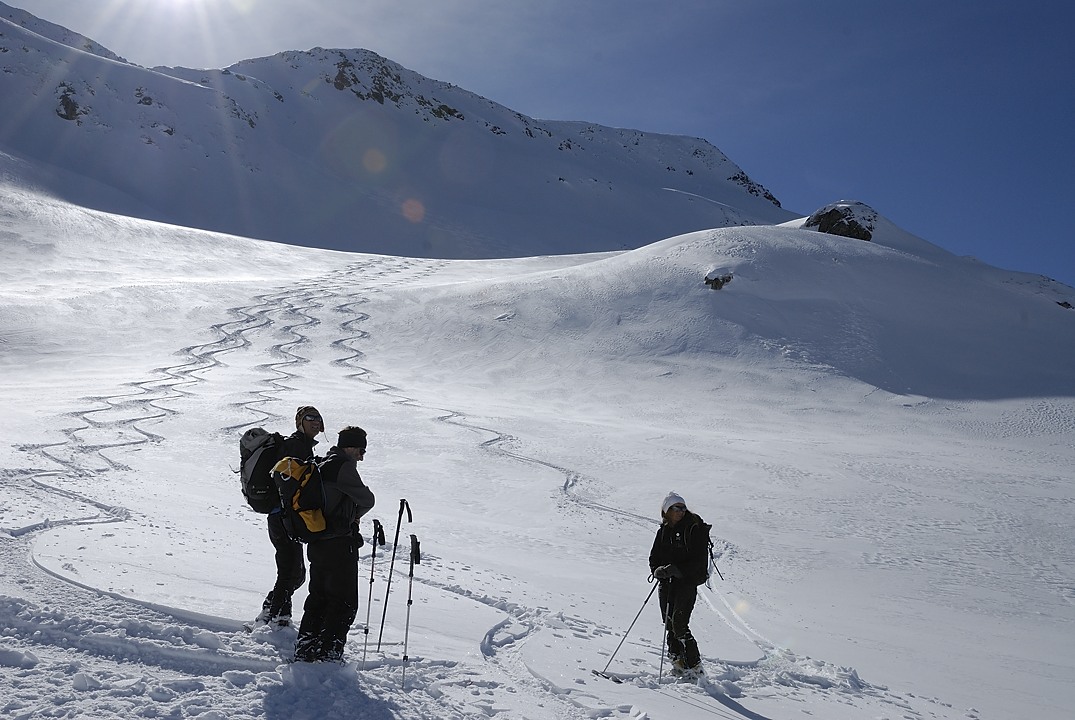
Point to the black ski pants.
(332, 603)
(290, 567)
(677, 600)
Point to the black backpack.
(301, 489)
(258, 450)
(711, 564)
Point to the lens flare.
(374, 161)
(414, 210)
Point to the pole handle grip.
(416, 553)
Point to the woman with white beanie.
(679, 559)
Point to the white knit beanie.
(671, 500)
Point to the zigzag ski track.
(131, 659)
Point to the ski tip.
(607, 676)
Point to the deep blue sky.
(953, 118)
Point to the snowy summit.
(347, 150)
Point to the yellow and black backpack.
(302, 497)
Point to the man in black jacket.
(679, 559)
(332, 603)
(290, 567)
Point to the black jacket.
(685, 545)
(346, 497)
(298, 445)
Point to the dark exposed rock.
(744, 181)
(69, 109)
(846, 219)
(718, 281)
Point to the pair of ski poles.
(604, 672)
(415, 558)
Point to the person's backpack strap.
(329, 467)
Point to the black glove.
(666, 572)
(356, 538)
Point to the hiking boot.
(307, 649)
(279, 610)
(332, 656)
(681, 669)
(266, 610)
(681, 666)
(313, 650)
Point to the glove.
(667, 572)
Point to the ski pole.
(664, 640)
(629, 628)
(378, 539)
(403, 504)
(713, 562)
(416, 557)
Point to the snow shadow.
(323, 691)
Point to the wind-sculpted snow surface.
(878, 549)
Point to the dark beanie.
(352, 436)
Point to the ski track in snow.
(196, 661)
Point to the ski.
(607, 676)
(686, 677)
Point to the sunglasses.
(312, 418)
(678, 508)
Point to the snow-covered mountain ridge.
(348, 150)
(56, 33)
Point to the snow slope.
(881, 434)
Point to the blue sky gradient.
(953, 119)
